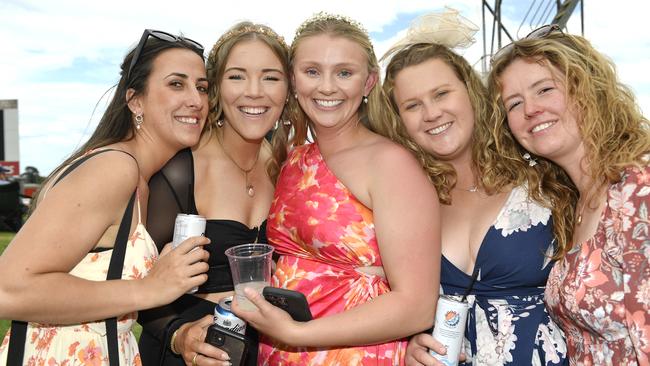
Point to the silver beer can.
(449, 328)
(224, 317)
(186, 226)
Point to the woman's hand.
(176, 271)
(190, 343)
(417, 351)
(268, 319)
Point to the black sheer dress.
(172, 192)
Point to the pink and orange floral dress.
(599, 293)
(323, 234)
(85, 344)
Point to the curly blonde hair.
(216, 64)
(613, 130)
(374, 114)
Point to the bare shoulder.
(105, 172)
(386, 155)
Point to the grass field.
(5, 238)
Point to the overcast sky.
(58, 57)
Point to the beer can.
(186, 226)
(449, 328)
(224, 317)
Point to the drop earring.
(138, 121)
(365, 99)
(220, 123)
(531, 161)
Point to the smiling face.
(435, 108)
(175, 102)
(331, 77)
(253, 89)
(538, 111)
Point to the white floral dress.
(507, 322)
(85, 344)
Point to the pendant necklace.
(250, 189)
(585, 204)
(470, 189)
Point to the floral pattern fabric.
(600, 291)
(86, 343)
(323, 234)
(507, 320)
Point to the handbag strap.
(115, 272)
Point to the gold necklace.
(585, 203)
(250, 189)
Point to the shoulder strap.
(81, 160)
(115, 269)
(16, 349)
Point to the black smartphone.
(233, 343)
(293, 302)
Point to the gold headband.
(324, 16)
(260, 29)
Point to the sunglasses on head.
(539, 33)
(163, 36)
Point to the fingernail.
(225, 357)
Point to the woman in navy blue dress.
(497, 216)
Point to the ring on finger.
(194, 359)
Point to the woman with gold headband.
(498, 215)
(354, 218)
(556, 98)
(229, 179)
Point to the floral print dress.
(507, 320)
(599, 292)
(86, 344)
(323, 234)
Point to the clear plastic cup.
(250, 265)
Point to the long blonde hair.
(614, 132)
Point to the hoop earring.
(365, 99)
(220, 123)
(138, 121)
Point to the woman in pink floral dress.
(354, 217)
(564, 105)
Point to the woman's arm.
(67, 224)
(636, 260)
(405, 209)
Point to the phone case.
(293, 302)
(234, 344)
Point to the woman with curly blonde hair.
(561, 100)
(497, 222)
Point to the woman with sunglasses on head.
(229, 179)
(353, 212)
(84, 225)
(558, 99)
(497, 225)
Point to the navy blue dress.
(507, 321)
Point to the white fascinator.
(447, 28)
